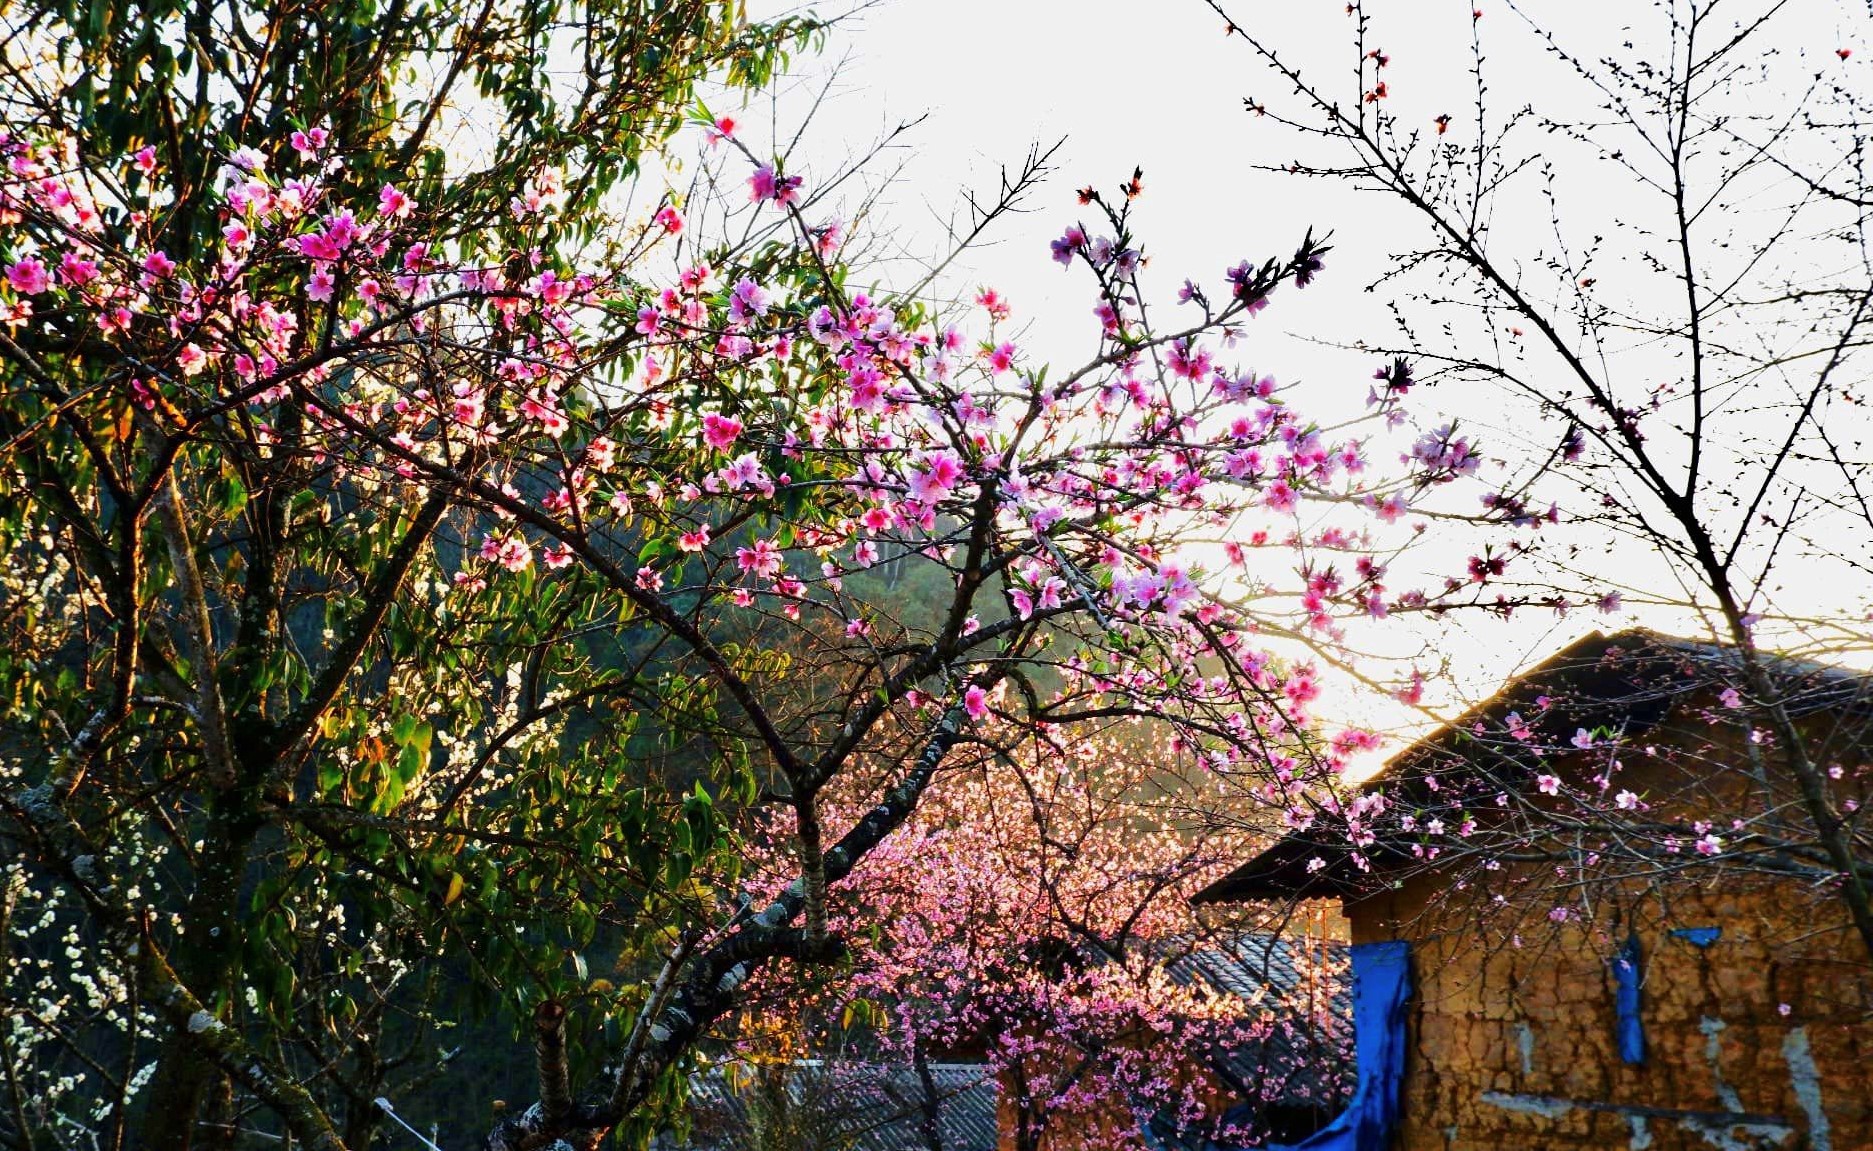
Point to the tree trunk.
(206, 961)
(930, 1105)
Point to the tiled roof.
(1629, 681)
(843, 1106)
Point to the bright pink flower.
(342, 228)
(938, 473)
(191, 359)
(394, 204)
(976, 701)
(159, 264)
(669, 219)
(1301, 689)
(694, 541)
(542, 407)
(29, 277)
(309, 142)
(508, 550)
(76, 270)
(826, 238)
(762, 560)
(719, 432)
(466, 407)
(867, 390)
(552, 290)
(1050, 594)
(318, 246)
(1191, 363)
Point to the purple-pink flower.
(766, 184)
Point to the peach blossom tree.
(401, 618)
(1034, 915)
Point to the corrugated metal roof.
(1300, 1062)
(842, 1106)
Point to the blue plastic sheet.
(1626, 974)
(1381, 988)
(1699, 936)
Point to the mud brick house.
(1667, 1001)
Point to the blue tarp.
(1381, 987)
(1626, 972)
(1699, 936)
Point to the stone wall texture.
(1759, 1040)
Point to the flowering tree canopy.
(429, 584)
(416, 588)
(1034, 913)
